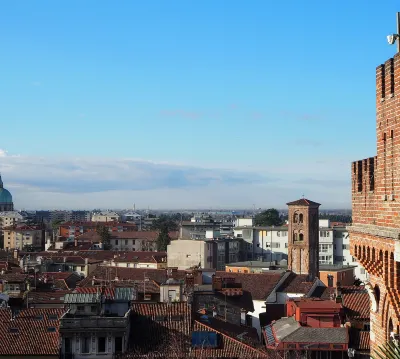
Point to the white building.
(105, 216)
(271, 244)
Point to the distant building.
(105, 216)
(205, 254)
(80, 216)
(271, 244)
(6, 201)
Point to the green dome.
(5, 196)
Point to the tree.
(55, 226)
(270, 217)
(105, 236)
(164, 223)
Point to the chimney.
(86, 261)
(76, 242)
(216, 283)
(93, 279)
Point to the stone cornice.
(374, 230)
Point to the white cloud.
(46, 182)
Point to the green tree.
(105, 236)
(164, 225)
(270, 217)
(387, 351)
(55, 226)
(163, 240)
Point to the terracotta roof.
(54, 297)
(303, 202)
(32, 332)
(94, 224)
(260, 285)
(356, 302)
(141, 257)
(108, 292)
(296, 283)
(160, 327)
(359, 339)
(14, 277)
(57, 275)
(133, 274)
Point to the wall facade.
(374, 234)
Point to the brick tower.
(375, 231)
(303, 234)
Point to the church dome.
(5, 196)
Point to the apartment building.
(105, 216)
(206, 254)
(271, 244)
(96, 325)
(23, 236)
(10, 218)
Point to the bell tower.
(303, 246)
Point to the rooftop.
(33, 332)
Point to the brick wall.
(376, 207)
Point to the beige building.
(106, 216)
(187, 253)
(18, 237)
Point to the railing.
(74, 323)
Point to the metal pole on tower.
(398, 30)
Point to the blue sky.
(187, 103)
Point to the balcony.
(93, 323)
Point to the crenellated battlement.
(387, 78)
(363, 175)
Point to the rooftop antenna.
(392, 38)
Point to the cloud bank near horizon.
(69, 182)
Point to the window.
(278, 234)
(118, 344)
(325, 247)
(133, 241)
(101, 345)
(301, 218)
(51, 329)
(126, 242)
(39, 317)
(301, 237)
(67, 345)
(93, 309)
(80, 308)
(116, 242)
(276, 245)
(286, 245)
(85, 345)
(82, 268)
(362, 270)
(52, 317)
(13, 330)
(346, 246)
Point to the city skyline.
(177, 105)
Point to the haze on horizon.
(173, 105)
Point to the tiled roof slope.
(356, 302)
(296, 283)
(133, 274)
(303, 202)
(359, 339)
(260, 285)
(232, 347)
(29, 334)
